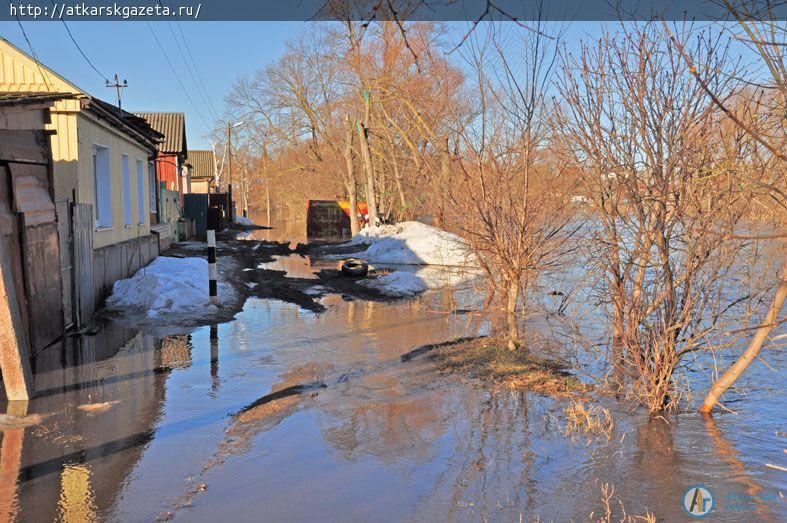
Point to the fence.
(170, 211)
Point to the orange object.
(330, 219)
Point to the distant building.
(203, 171)
(172, 151)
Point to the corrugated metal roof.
(172, 126)
(203, 165)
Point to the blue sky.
(222, 51)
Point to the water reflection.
(214, 359)
(76, 502)
(99, 397)
(221, 409)
(11, 462)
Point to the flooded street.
(289, 415)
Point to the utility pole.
(266, 179)
(229, 170)
(119, 88)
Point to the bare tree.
(766, 38)
(639, 129)
(508, 200)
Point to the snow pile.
(398, 283)
(243, 220)
(413, 243)
(245, 235)
(167, 285)
(411, 280)
(316, 290)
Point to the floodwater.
(134, 428)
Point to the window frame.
(140, 173)
(153, 184)
(125, 172)
(102, 222)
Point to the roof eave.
(148, 141)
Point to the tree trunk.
(511, 303)
(442, 185)
(398, 182)
(760, 337)
(618, 355)
(268, 204)
(352, 188)
(371, 200)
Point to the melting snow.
(242, 220)
(399, 283)
(167, 285)
(316, 290)
(412, 243)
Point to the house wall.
(91, 131)
(119, 261)
(65, 151)
(19, 73)
(117, 251)
(166, 165)
(76, 131)
(199, 186)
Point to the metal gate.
(195, 206)
(28, 226)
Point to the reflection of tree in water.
(389, 430)
(667, 472)
(727, 452)
(248, 423)
(388, 415)
(490, 468)
(652, 470)
(477, 442)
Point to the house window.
(141, 192)
(126, 191)
(153, 186)
(103, 190)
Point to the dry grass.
(515, 369)
(608, 494)
(588, 420)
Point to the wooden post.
(212, 272)
(14, 347)
(10, 463)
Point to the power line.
(172, 68)
(196, 69)
(195, 75)
(193, 72)
(102, 75)
(188, 68)
(32, 51)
